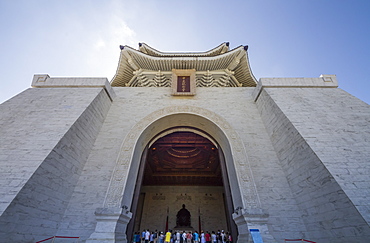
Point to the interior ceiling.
(183, 158)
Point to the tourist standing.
(143, 236)
(137, 237)
(189, 237)
(196, 237)
(151, 239)
(183, 237)
(161, 237)
(155, 236)
(202, 237)
(147, 236)
(214, 237)
(178, 237)
(134, 238)
(229, 238)
(174, 236)
(207, 237)
(223, 236)
(168, 237)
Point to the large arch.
(119, 197)
(194, 182)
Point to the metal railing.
(55, 237)
(301, 240)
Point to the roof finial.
(121, 47)
(246, 48)
(227, 43)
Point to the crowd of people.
(147, 236)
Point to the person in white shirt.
(147, 236)
(223, 236)
(214, 237)
(178, 235)
(184, 237)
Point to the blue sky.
(286, 38)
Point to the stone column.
(110, 226)
(247, 219)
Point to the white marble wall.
(235, 105)
(46, 136)
(305, 160)
(320, 136)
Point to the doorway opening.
(180, 168)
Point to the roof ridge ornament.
(220, 49)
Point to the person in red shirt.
(189, 236)
(208, 237)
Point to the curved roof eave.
(132, 60)
(222, 48)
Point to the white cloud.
(123, 33)
(99, 44)
(102, 60)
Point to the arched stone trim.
(122, 182)
(183, 129)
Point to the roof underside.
(219, 58)
(183, 159)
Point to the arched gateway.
(123, 194)
(185, 73)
